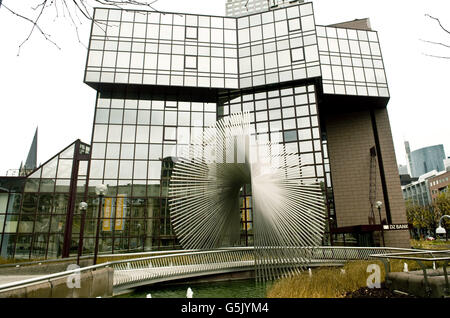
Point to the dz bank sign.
(396, 227)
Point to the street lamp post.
(101, 191)
(379, 204)
(441, 229)
(83, 208)
(139, 234)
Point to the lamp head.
(101, 190)
(83, 206)
(379, 204)
(440, 230)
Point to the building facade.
(161, 78)
(426, 159)
(427, 188)
(439, 184)
(447, 164)
(418, 192)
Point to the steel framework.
(288, 208)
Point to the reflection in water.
(229, 289)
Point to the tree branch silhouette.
(73, 10)
(435, 43)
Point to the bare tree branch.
(74, 24)
(435, 42)
(439, 21)
(437, 56)
(73, 8)
(35, 26)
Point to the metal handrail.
(44, 261)
(62, 260)
(419, 260)
(189, 252)
(426, 259)
(223, 254)
(78, 270)
(48, 277)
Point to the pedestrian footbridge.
(147, 268)
(182, 265)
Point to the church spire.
(31, 162)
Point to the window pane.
(190, 62)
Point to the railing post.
(427, 286)
(447, 285)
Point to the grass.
(332, 282)
(430, 245)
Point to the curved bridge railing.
(138, 272)
(133, 273)
(180, 264)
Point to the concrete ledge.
(101, 285)
(20, 292)
(40, 290)
(86, 286)
(43, 269)
(414, 283)
(92, 284)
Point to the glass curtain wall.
(287, 116)
(134, 142)
(11, 193)
(37, 208)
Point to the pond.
(227, 289)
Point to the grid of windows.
(418, 193)
(150, 48)
(288, 116)
(277, 46)
(134, 141)
(35, 214)
(351, 62)
(237, 8)
(158, 49)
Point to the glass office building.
(427, 159)
(161, 79)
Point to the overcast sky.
(44, 85)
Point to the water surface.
(228, 289)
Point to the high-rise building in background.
(403, 169)
(427, 188)
(447, 164)
(424, 160)
(161, 78)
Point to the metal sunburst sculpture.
(288, 208)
